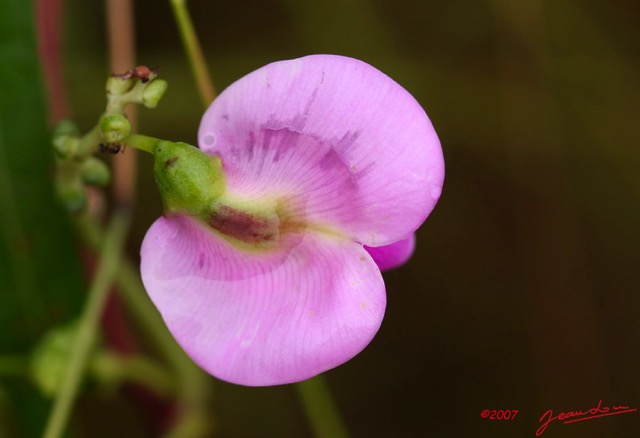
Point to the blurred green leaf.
(40, 274)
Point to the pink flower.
(321, 155)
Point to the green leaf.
(40, 274)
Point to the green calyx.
(192, 183)
(189, 181)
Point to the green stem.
(112, 368)
(148, 373)
(194, 52)
(109, 257)
(142, 142)
(89, 143)
(320, 408)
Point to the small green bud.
(65, 146)
(50, 358)
(153, 92)
(72, 195)
(120, 85)
(95, 172)
(64, 137)
(64, 128)
(114, 127)
(188, 180)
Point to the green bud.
(188, 180)
(72, 195)
(65, 146)
(114, 127)
(119, 85)
(64, 128)
(153, 92)
(64, 137)
(95, 172)
(50, 358)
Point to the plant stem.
(194, 52)
(142, 142)
(89, 143)
(323, 415)
(113, 368)
(85, 337)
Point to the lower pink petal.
(262, 318)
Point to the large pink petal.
(262, 318)
(347, 147)
(393, 255)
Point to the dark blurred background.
(523, 291)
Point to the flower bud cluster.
(75, 163)
(139, 85)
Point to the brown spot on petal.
(258, 227)
(244, 226)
